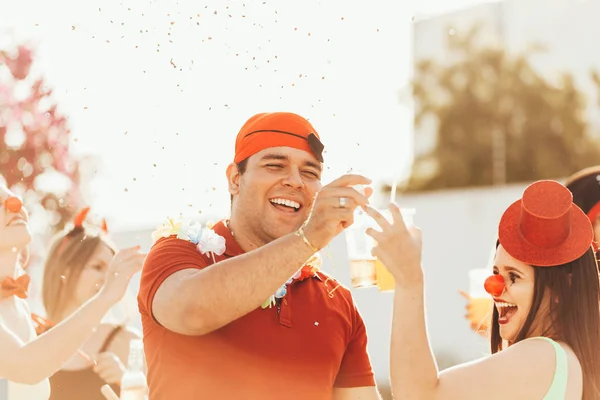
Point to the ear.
(233, 179)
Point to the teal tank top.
(558, 388)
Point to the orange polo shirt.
(316, 342)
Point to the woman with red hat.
(545, 330)
(27, 360)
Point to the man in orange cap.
(256, 319)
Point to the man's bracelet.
(300, 233)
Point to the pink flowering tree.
(34, 140)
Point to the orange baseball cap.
(277, 129)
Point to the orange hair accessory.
(80, 217)
(78, 227)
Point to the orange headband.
(277, 129)
(78, 227)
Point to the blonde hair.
(68, 255)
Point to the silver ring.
(343, 201)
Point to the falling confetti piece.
(72, 27)
(85, 108)
(125, 133)
(127, 190)
(154, 165)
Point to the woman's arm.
(38, 359)
(35, 361)
(523, 371)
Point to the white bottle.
(133, 383)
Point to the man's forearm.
(230, 289)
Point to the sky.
(157, 91)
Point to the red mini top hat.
(544, 228)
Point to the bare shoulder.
(528, 365)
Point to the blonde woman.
(76, 268)
(26, 359)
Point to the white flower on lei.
(211, 242)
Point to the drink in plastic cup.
(480, 302)
(365, 269)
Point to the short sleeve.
(356, 369)
(167, 256)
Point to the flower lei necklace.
(205, 239)
(208, 241)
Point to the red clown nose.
(13, 204)
(494, 285)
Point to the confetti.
(72, 27)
